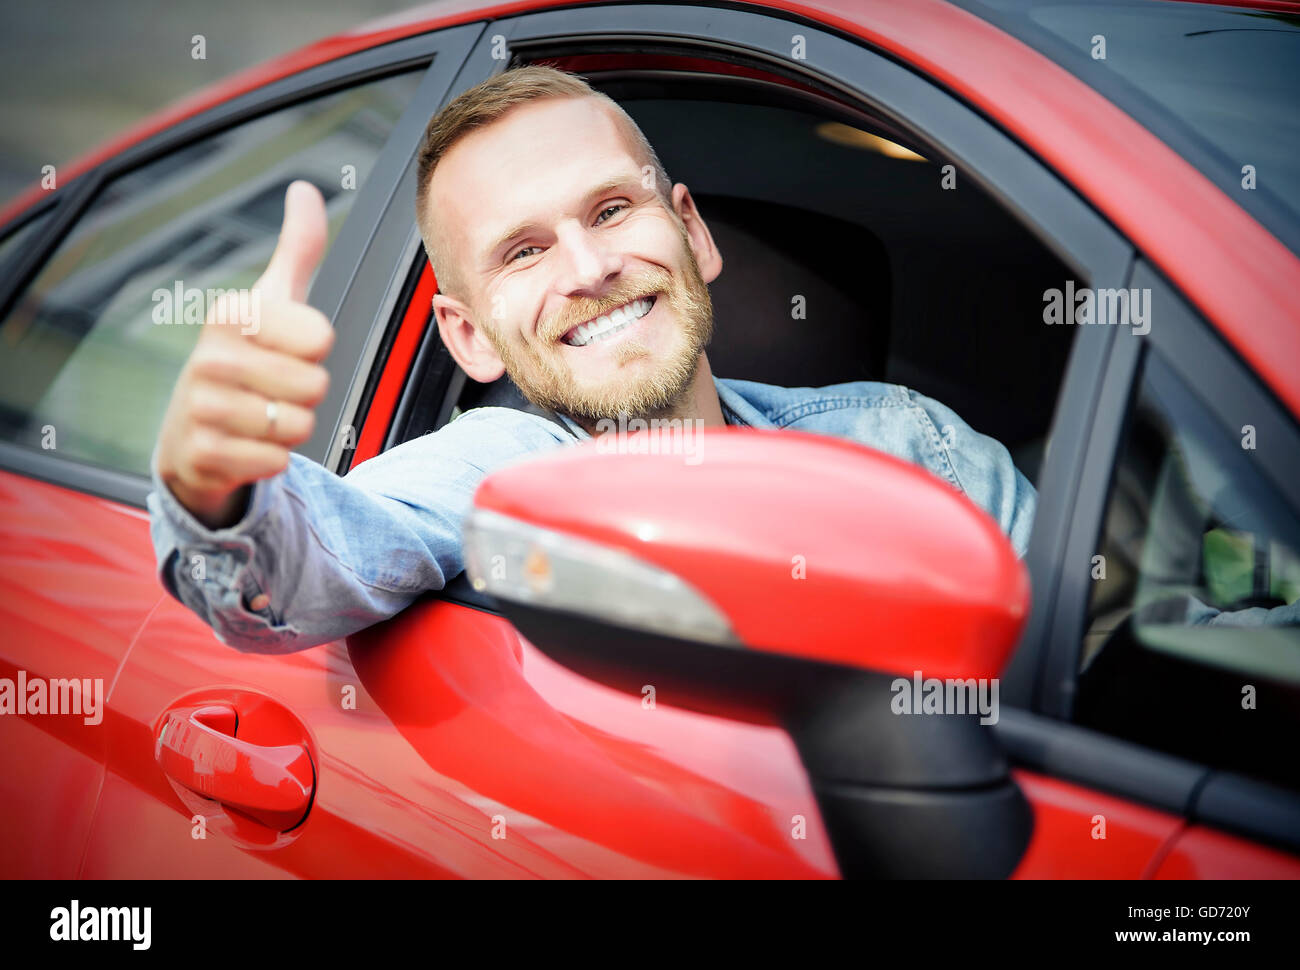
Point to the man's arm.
(983, 469)
(317, 557)
(271, 550)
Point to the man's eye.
(523, 250)
(612, 208)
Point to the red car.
(903, 192)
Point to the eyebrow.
(608, 185)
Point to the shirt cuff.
(187, 528)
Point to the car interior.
(904, 280)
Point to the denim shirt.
(336, 554)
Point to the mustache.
(581, 310)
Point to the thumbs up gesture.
(247, 394)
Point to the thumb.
(302, 242)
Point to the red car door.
(91, 356)
(78, 584)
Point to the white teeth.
(611, 323)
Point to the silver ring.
(272, 410)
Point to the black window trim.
(76, 196)
(38, 209)
(1223, 800)
(360, 283)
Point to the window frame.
(851, 71)
(1193, 350)
(1190, 348)
(439, 54)
(35, 212)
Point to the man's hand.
(247, 394)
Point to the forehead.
(534, 161)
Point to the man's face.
(582, 279)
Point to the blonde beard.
(547, 381)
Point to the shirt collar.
(736, 411)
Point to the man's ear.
(466, 344)
(706, 251)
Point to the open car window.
(852, 252)
(91, 350)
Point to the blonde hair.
(479, 107)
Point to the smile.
(609, 324)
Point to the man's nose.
(589, 262)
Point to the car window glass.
(1216, 82)
(90, 352)
(1193, 643)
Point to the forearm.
(334, 555)
(329, 557)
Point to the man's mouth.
(605, 326)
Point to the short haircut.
(479, 107)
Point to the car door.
(96, 338)
(585, 769)
(1216, 255)
(75, 586)
(1180, 637)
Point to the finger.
(273, 375)
(302, 242)
(275, 323)
(242, 414)
(294, 328)
(222, 461)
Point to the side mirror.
(792, 579)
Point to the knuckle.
(209, 406)
(323, 336)
(316, 385)
(272, 312)
(216, 362)
(207, 454)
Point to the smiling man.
(596, 302)
(566, 259)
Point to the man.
(565, 259)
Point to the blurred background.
(75, 73)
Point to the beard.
(546, 380)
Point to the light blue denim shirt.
(336, 554)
